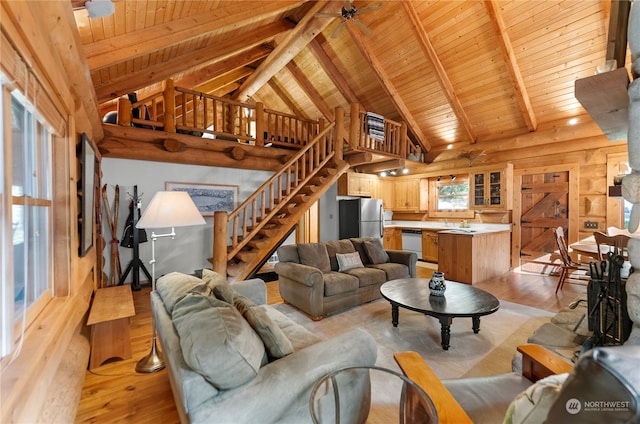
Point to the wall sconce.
(453, 177)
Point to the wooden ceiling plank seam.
(296, 40)
(332, 71)
(143, 41)
(197, 59)
(430, 52)
(392, 92)
(309, 89)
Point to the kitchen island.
(470, 256)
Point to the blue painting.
(209, 198)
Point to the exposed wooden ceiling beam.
(280, 92)
(504, 41)
(296, 40)
(395, 97)
(332, 70)
(104, 53)
(222, 80)
(445, 82)
(221, 52)
(310, 90)
(372, 168)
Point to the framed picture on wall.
(209, 198)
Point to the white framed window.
(26, 207)
(452, 193)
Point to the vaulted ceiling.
(457, 72)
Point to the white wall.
(192, 245)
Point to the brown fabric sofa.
(322, 278)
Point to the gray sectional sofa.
(322, 278)
(233, 359)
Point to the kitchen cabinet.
(392, 238)
(410, 194)
(474, 256)
(492, 188)
(355, 184)
(384, 189)
(430, 245)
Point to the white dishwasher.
(412, 241)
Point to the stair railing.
(265, 203)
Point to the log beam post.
(219, 260)
(338, 139)
(124, 112)
(354, 126)
(168, 94)
(260, 124)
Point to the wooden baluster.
(169, 97)
(220, 220)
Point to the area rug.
(489, 352)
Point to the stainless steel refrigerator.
(360, 218)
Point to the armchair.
(603, 387)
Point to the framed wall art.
(86, 192)
(209, 198)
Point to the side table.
(109, 320)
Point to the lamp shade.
(170, 209)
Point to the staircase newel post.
(168, 94)
(354, 125)
(259, 124)
(338, 139)
(124, 112)
(219, 261)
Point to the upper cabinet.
(410, 195)
(356, 184)
(492, 188)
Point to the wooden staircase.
(245, 238)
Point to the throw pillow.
(225, 292)
(275, 341)
(348, 261)
(375, 251)
(174, 286)
(338, 246)
(216, 341)
(315, 255)
(532, 405)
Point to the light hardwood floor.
(114, 392)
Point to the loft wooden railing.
(249, 218)
(181, 110)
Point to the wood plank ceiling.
(458, 72)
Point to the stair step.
(235, 268)
(300, 198)
(269, 232)
(258, 243)
(309, 189)
(245, 255)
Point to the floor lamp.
(167, 209)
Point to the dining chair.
(605, 242)
(568, 264)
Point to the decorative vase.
(437, 285)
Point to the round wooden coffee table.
(459, 300)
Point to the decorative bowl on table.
(437, 284)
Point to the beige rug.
(487, 353)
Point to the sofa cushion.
(393, 270)
(298, 335)
(315, 255)
(225, 293)
(339, 282)
(335, 247)
(212, 278)
(348, 261)
(217, 341)
(275, 341)
(288, 253)
(368, 276)
(174, 286)
(358, 244)
(532, 405)
(375, 251)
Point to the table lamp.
(167, 209)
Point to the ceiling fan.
(349, 13)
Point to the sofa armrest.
(537, 363)
(305, 274)
(283, 387)
(406, 258)
(255, 289)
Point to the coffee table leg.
(476, 324)
(394, 314)
(445, 331)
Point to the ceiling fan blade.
(347, 4)
(371, 8)
(327, 15)
(338, 29)
(365, 30)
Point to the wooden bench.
(109, 320)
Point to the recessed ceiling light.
(405, 170)
(383, 174)
(573, 121)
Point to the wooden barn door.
(547, 200)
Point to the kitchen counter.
(453, 228)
